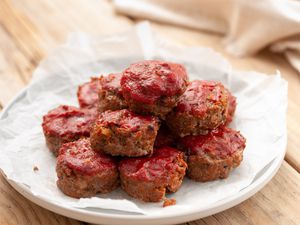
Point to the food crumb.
(35, 169)
(169, 202)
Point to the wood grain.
(15, 209)
(274, 204)
(12, 66)
(31, 29)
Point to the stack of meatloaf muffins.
(144, 128)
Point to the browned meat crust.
(123, 133)
(82, 172)
(214, 155)
(110, 95)
(153, 87)
(150, 178)
(65, 124)
(201, 108)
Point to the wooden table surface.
(31, 29)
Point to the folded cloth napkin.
(248, 26)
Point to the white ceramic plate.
(169, 217)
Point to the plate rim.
(96, 217)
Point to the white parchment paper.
(260, 115)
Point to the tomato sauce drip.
(148, 81)
(68, 120)
(198, 95)
(124, 119)
(88, 93)
(221, 142)
(80, 157)
(112, 82)
(150, 168)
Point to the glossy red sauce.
(231, 108)
(88, 93)
(111, 82)
(198, 96)
(159, 165)
(79, 156)
(68, 121)
(147, 81)
(125, 119)
(221, 142)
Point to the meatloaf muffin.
(123, 133)
(87, 93)
(110, 95)
(164, 137)
(83, 172)
(149, 178)
(65, 124)
(201, 108)
(153, 87)
(214, 155)
(231, 107)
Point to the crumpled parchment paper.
(260, 115)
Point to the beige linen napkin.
(248, 26)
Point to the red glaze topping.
(231, 107)
(199, 95)
(164, 137)
(79, 156)
(147, 81)
(111, 82)
(158, 166)
(125, 119)
(219, 143)
(68, 121)
(87, 93)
